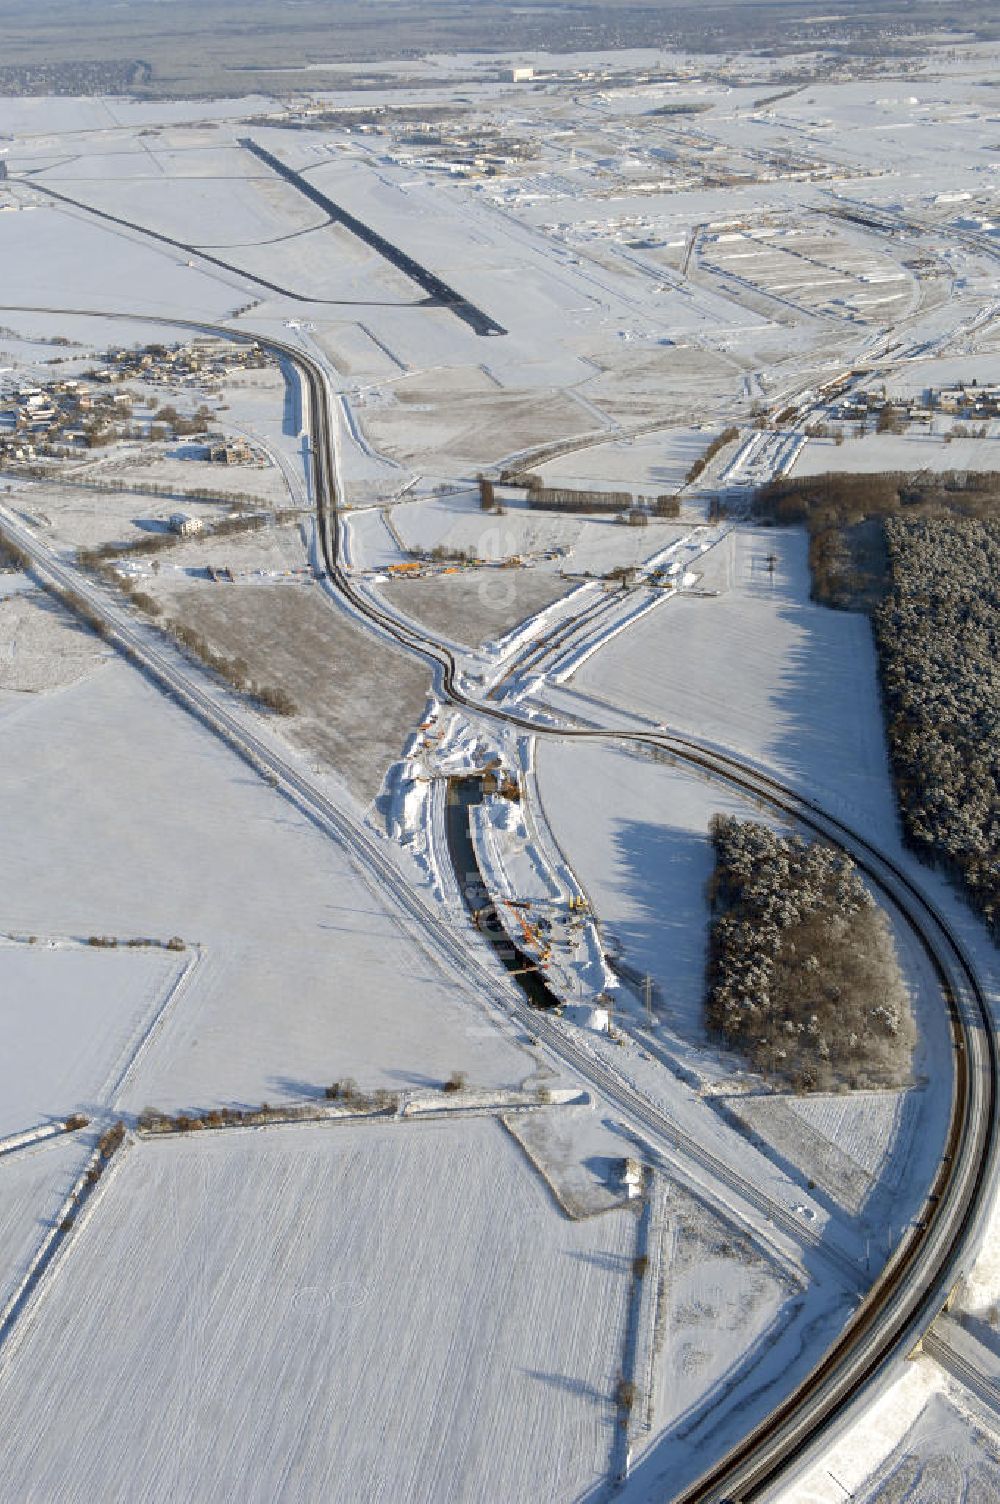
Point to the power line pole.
(647, 988)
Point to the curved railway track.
(918, 1276)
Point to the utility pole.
(647, 991)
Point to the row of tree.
(569, 499)
(719, 442)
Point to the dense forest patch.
(938, 638)
(921, 553)
(802, 970)
(843, 513)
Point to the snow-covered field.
(34, 1183)
(471, 608)
(353, 711)
(73, 1017)
(762, 670)
(585, 544)
(89, 518)
(339, 1313)
(649, 465)
(714, 1287)
(456, 431)
(458, 522)
(846, 1144)
(916, 450)
(41, 647)
(643, 858)
(151, 827)
(918, 1444)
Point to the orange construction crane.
(531, 935)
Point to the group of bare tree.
(235, 671)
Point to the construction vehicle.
(504, 784)
(532, 937)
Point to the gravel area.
(472, 608)
(357, 701)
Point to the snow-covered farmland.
(714, 1282)
(586, 543)
(849, 1144)
(458, 522)
(761, 669)
(470, 608)
(354, 709)
(34, 1184)
(151, 826)
(41, 647)
(73, 1017)
(456, 431)
(651, 464)
(643, 858)
(381, 1312)
(912, 451)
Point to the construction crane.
(530, 932)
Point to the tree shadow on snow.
(568, 1385)
(828, 735)
(611, 1263)
(665, 871)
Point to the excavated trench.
(463, 793)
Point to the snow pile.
(538, 900)
(412, 802)
(504, 650)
